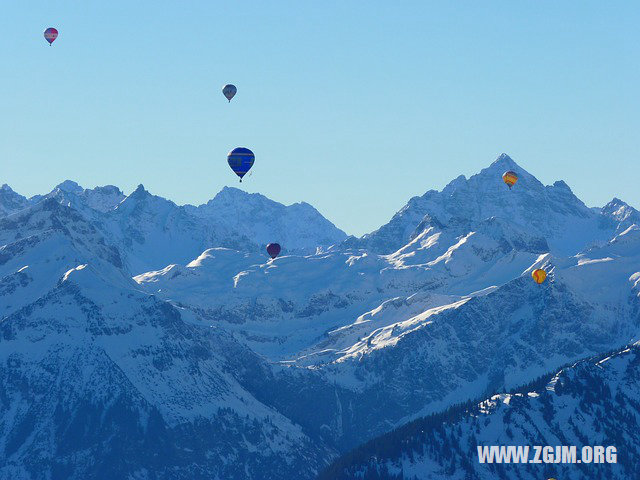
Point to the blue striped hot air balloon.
(241, 160)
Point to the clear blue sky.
(352, 106)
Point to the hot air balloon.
(229, 91)
(241, 160)
(273, 249)
(539, 275)
(510, 178)
(50, 34)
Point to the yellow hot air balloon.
(510, 178)
(539, 275)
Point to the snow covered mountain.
(593, 402)
(457, 301)
(211, 359)
(151, 232)
(154, 232)
(102, 199)
(122, 384)
(553, 212)
(10, 201)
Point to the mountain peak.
(618, 205)
(492, 175)
(134, 198)
(621, 212)
(233, 195)
(139, 192)
(562, 185)
(10, 201)
(505, 162)
(69, 186)
(108, 189)
(615, 201)
(459, 181)
(231, 192)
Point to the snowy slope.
(39, 244)
(593, 402)
(254, 216)
(92, 365)
(407, 340)
(154, 231)
(121, 383)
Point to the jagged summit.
(108, 189)
(561, 184)
(140, 190)
(141, 200)
(233, 194)
(500, 165)
(142, 195)
(10, 201)
(620, 214)
(69, 186)
(467, 202)
(152, 231)
(505, 160)
(489, 178)
(618, 204)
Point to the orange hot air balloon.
(539, 275)
(510, 178)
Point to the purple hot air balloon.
(50, 34)
(273, 249)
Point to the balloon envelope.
(539, 275)
(50, 34)
(229, 91)
(510, 178)
(273, 249)
(241, 160)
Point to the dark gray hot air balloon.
(229, 91)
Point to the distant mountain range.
(145, 340)
(151, 231)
